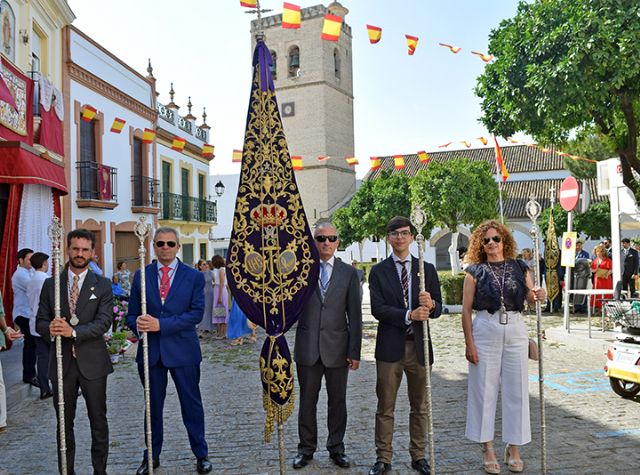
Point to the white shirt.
(397, 261)
(33, 295)
(19, 281)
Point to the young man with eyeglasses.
(175, 305)
(328, 340)
(400, 308)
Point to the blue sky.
(402, 103)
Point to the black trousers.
(310, 380)
(628, 282)
(42, 357)
(95, 395)
(28, 350)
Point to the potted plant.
(116, 345)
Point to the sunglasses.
(486, 241)
(168, 243)
(326, 238)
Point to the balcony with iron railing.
(145, 194)
(186, 208)
(97, 185)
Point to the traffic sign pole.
(569, 197)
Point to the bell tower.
(314, 87)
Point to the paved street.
(590, 430)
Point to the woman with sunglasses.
(495, 288)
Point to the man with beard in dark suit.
(86, 307)
(400, 308)
(328, 340)
(629, 267)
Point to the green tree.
(454, 192)
(588, 144)
(595, 223)
(564, 66)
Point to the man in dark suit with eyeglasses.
(328, 340)
(400, 308)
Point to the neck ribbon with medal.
(502, 316)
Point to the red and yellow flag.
(207, 150)
(466, 143)
(445, 145)
(331, 27)
(375, 163)
(562, 154)
(423, 157)
(290, 15)
(375, 33)
(398, 162)
(351, 161)
(88, 113)
(117, 125)
(323, 158)
(248, 3)
(483, 140)
(484, 57)
(237, 156)
(453, 49)
(148, 136)
(296, 162)
(178, 144)
(412, 44)
(500, 161)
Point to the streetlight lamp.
(219, 188)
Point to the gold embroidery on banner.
(277, 376)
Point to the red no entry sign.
(569, 193)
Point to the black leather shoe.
(203, 465)
(46, 395)
(144, 466)
(301, 460)
(380, 468)
(32, 381)
(421, 466)
(341, 460)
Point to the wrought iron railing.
(97, 182)
(186, 208)
(145, 191)
(166, 113)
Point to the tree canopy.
(595, 223)
(564, 66)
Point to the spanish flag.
(323, 158)
(88, 113)
(117, 125)
(412, 43)
(453, 49)
(351, 161)
(237, 156)
(484, 57)
(296, 162)
(148, 136)
(423, 157)
(290, 15)
(375, 163)
(207, 150)
(375, 33)
(465, 143)
(445, 145)
(398, 162)
(500, 161)
(248, 3)
(178, 144)
(331, 27)
(483, 140)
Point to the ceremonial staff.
(418, 221)
(533, 211)
(142, 230)
(55, 232)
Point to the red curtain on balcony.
(17, 125)
(9, 250)
(104, 182)
(52, 115)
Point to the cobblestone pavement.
(590, 430)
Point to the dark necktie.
(404, 281)
(165, 282)
(73, 295)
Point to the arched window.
(336, 63)
(274, 65)
(294, 61)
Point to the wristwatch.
(73, 334)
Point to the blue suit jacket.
(176, 344)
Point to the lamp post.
(219, 188)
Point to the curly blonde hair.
(475, 254)
(600, 249)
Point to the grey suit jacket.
(332, 330)
(94, 311)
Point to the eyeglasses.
(487, 240)
(395, 234)
(168, 243)
(326, 238)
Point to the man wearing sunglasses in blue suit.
(175, 305)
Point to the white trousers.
(3, 400)
(503, 353)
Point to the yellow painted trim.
(171, 162)
(633, 376)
